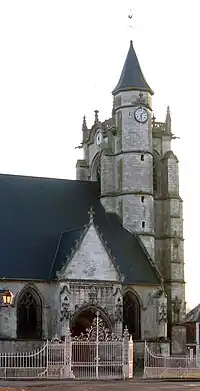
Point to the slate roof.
(194, 315)
(132, 77)
(40, 220)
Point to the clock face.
(141, 115)
(99, 138)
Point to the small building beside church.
(192, 323)
(110, 241)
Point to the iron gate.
(93, 355)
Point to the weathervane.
(130, 20)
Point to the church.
(110, 241)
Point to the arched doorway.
(29, 315)
(85, 323)
(131, 315)
(82, 322)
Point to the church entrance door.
(82, 322)
(94, 346)
(85, 322)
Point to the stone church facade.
(111, 241)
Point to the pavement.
(130, 385)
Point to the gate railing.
(22, 365)
(96, 354)
(158, 366)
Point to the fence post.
(67, 354)
(198, 356)
(145, 359)
(126, 354)
(130, 352)
(5, 369)
(97, 347)
(47, 363)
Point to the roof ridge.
(57, 248)
(54, 257)
(72, 230)
(150, 260)
(73, 250)
(22, 176)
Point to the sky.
(60, 59)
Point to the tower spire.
(132, 77)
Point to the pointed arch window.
(29, 315)
(131, 315)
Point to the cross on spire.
(91, 214)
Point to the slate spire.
(132, 77)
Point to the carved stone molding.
(65, 309)
(119, 310)
(65, 303)
(176, 303)
(162, 317)
(93, 294)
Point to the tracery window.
(29, 315)
(131, 315)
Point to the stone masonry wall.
(136, 169)
(48, 295)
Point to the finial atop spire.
(168, 111)
(84, 130)
(96, 121)
(168, 120)
(91, 214)
(84, 125)
(130, 20)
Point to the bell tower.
(133, 151)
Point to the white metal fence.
(158, 366)
(102, 360)
(95, 355)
